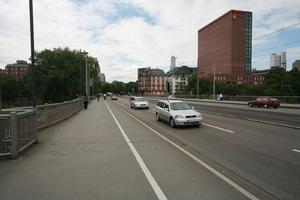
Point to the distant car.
(171, 97)
(114, 97)
(139, 102)
(264, 102)
(177, 113)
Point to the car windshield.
(179, 106)
(139, 99)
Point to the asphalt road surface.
(264, 156)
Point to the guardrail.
(282, 99)
(19, 126)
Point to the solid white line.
(159, 193)
(218, 174)
(296, 150)
(218, 128)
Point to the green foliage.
(278, 82)
(60, 74)
(9, 90)
(118, 87)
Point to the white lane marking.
(218, 128)
(159, 193)
(296, 150)
(204, 164)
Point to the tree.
(60, 74)
(276, 83)
(9, 90)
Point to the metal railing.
(17, 131)
(19, 126)
(243, 98)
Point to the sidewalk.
(84, 157)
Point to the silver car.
(139, 102)
(177, 113)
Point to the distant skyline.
(128, 34)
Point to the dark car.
(264, 102)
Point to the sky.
(128, 34)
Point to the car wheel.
(250, 105)
(266, 106)
(157, 117)
(172, 123)
(275, 106)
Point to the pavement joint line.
(296, 150)
(198, 160)
(216, 127)
(157, 190)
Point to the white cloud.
(124, 43)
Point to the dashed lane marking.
(216, 127)
(204, 164)
(157, 190)
(296, 150)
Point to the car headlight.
(179, 116)
(199, 115)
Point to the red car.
(265, 102)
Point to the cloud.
(127, 34)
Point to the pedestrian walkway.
(84, 157)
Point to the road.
(113, 152)
(261, 155)
(282, 116)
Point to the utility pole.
(214, 82)
(197, 83)
(0, 95)
(86, 76)
(80, 84)
(32, 53)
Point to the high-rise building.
(225, 46)
(278, 61)
(173, 62)
(102, 77)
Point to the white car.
(139, 102)
(177, 113)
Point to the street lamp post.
(32, 53)
(86, 72)
(214, 82)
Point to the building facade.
(278, 61)
(225, 46)
(296, 65)
(178, 79)
(152, 81)
(17, 70)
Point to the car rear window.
(180, 106)
(139, 99)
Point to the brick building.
(17, 70)
(152, 81)
(225, 47)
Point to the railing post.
(47, 114)
(14, 134)
(34, 126)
